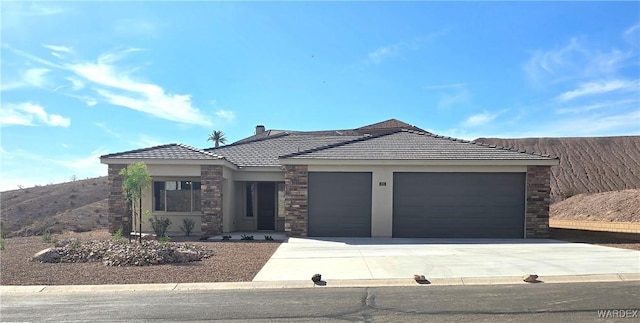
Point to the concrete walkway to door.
(386, 258)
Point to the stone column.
(119, 214)
(296, 181)
(211, 186)
(538, 200)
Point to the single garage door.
(339, 204)
(458, 205)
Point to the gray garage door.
(458, 205)
(339, 204)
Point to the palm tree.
(217, 137)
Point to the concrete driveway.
(385, 258)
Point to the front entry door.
(266, 206)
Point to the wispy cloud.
(451, 95)
(480, 119)
(108, 130)
(57, 48)
(29, 114)
(18, 8)
(136, 27)
(143, 140)
(594, 88)
(35, 76)
(383, 53)
(226, 115)
(574, 61)
(116, 85)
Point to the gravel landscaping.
(230, 261)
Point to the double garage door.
(425, 205)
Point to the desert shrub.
(569, 193)
(187, 226)
(46, 237)
(165, 239)
(246, 237)
(159, 225)
(75, 244)
(1, 243)
(118, 234)
(5, 229)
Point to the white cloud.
(57, 48)
(610, 105)
(594, 88)
(383, 53)
(76, 84)
(108, 130)
(226, 115)
(27, 114)
(631, 34)
(576, 60)
(35, 76)
(451, 94)
(116, 85)
(85, 166)
(18, 8)
(11, 86)
(379, 54)
(480, 119)
(141, 96)
(146, 141)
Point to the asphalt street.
(572, 302)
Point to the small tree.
(218, 138)
(135, 180)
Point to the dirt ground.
(231, 261)
(613, 239)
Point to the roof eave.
(430, 162)
(167, 161)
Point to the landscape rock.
(47, 255)
(122, 253)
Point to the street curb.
(453, 281)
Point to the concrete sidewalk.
(309, 284)
(386, 258)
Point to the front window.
(177, 196)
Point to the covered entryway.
(339, 204)
(458, 205)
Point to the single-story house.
(388, 179)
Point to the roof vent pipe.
(259, 129)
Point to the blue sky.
(83, 79)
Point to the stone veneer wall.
(296, 181)
(538, 200)
(211, 190)
(118, 214)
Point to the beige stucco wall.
(186, 172)
(382, 194)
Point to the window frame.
(192, 200)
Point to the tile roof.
(379, 127)
(390, 124)
(265, 151)
(169, 151)
(413, 145)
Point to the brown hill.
(79, 206)
(615, 206)
(587, 165)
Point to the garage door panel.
(470, 205)
(339, 204)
